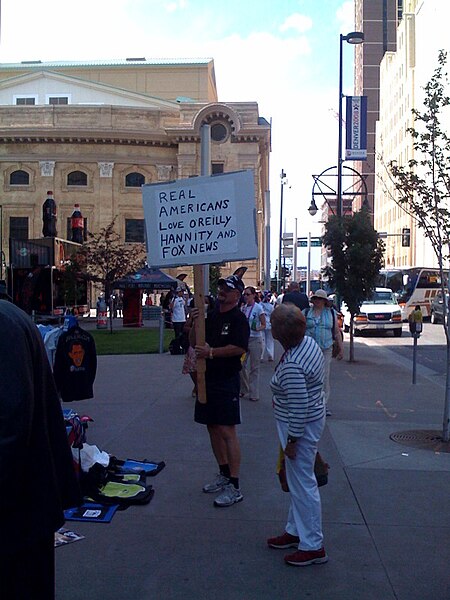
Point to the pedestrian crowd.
(240, 328)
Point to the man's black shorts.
(222, 407)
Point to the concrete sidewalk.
(386, 510)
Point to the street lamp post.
(1, 242)
(355, 37)
(283, 181)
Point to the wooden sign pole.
(199, 299)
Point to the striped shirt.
(320, 327)
(297, 386)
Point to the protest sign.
(200, 220)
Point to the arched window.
(134, 180)
(77, 178)
(19, 178)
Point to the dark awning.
(146, 279)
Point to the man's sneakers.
(217, 485)
(285, 540)
(229, 496)
(303, 558)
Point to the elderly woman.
(300, 418)
(322, 325)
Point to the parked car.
(380, 313)
(437, 308)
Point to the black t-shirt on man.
(222, 329)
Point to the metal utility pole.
(283, 181)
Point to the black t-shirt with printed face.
(222, 329)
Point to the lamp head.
(313, 208)
(354, 37)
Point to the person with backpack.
(322, 325)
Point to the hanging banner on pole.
(201, 220)
(356, 128)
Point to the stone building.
(94, 132)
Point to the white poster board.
(200, 220)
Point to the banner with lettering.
(200, 220)
(356, 128)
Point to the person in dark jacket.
(75, 364)
(295, 296)
(37, 478)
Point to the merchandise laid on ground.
(108, 484)
(65, 536)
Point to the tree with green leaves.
(423, 186)
(104, 258)
(214, 276)
(356, 260)
(72, 283)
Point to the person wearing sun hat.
(322, 326)
(226, 340)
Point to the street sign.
(303, 242)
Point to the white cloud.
(298, 22)
(173, 6)
(345, 15)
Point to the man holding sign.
(226, 340)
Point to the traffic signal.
(406, 237)
(285, 272)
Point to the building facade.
(378, 20)
(93, 133)
(420, 34)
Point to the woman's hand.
(290, 450)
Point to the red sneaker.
(286, 540)
(303, 558)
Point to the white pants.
(250, 369)
(268, 346)
(305, 512)
(327, 355)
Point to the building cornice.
(92, 137)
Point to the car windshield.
(381, 298)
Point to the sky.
(283, 54)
